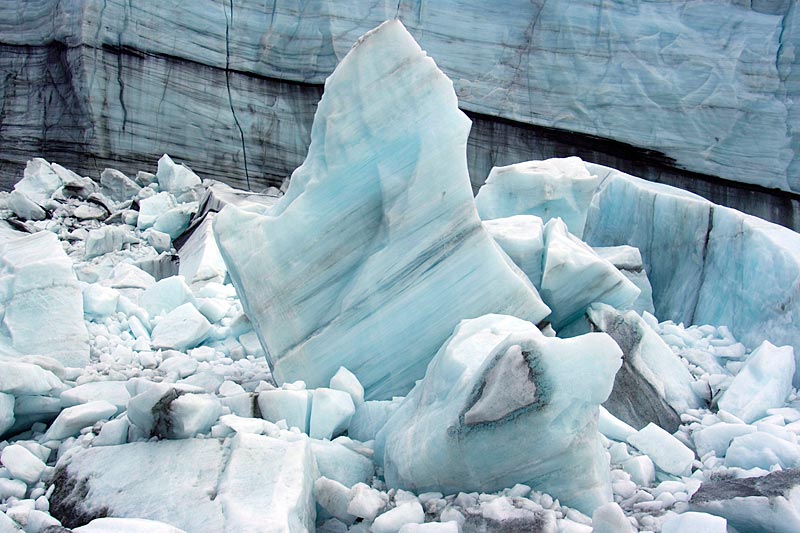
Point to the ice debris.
(553, 188)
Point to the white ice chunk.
(126, 525)
(113, 432)
(641, 469)
(117, 185)
(379, 285)
(39, 181)
(574, 276)
(764, 382)
(153, 207)
(175, 178)
(610, 518)
(128, 276)
(165, 295)
(718, 437)
(653, 385)
(175, 221)
(22, 464)
(114, 392)
(668, 453)
(40, 287)
(502, 404)
(762, 450)
(108, 239)
(182, 328)
(341, 464)
(334, 498)
(612, 427)
(25, 208)
(331, 411)
(293, 406)
(192, 414)
(522, 238)
(693, 521)
(99, 301)
(201, 260)
(391, 521)
(71, 420)
(241, 483)
(628, 260)
(24, 379)
(557, 187)
(346, 381)
(366, 502)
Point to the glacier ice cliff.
(231, 87)
(376, 251)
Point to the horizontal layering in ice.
(376, 251)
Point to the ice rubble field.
(415, 380)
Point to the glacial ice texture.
(502, 404)
(376, 251)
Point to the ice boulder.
(763, 383)
(181, 329)
(117, 185)
(38, 288)
(244, 483)
(753, 504)
(694, 521)
(574, 276)
(71, 420)
(174, 178)
(126, 525)
(108, 239)
(668, 453)
(553, 188)
(653, 384)
(39, 181)
(502, 404)
(376, 250)
(173, 411)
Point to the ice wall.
(707, 264)
(710, 85)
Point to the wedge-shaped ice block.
(574, 276)
(502, 404)
(376, 251)
(653, 384)
(558, 187)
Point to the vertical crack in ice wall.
(228, 23)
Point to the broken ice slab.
(574, 276)
(376, 250)
(522, 238)
(245, 483)
(753, 504)
(764, 382)
(553, 188)
(38, 287)
(653, 384)
(502, 404)
(668, 453)
(201, 261)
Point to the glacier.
(380, 285)
(176, 377)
